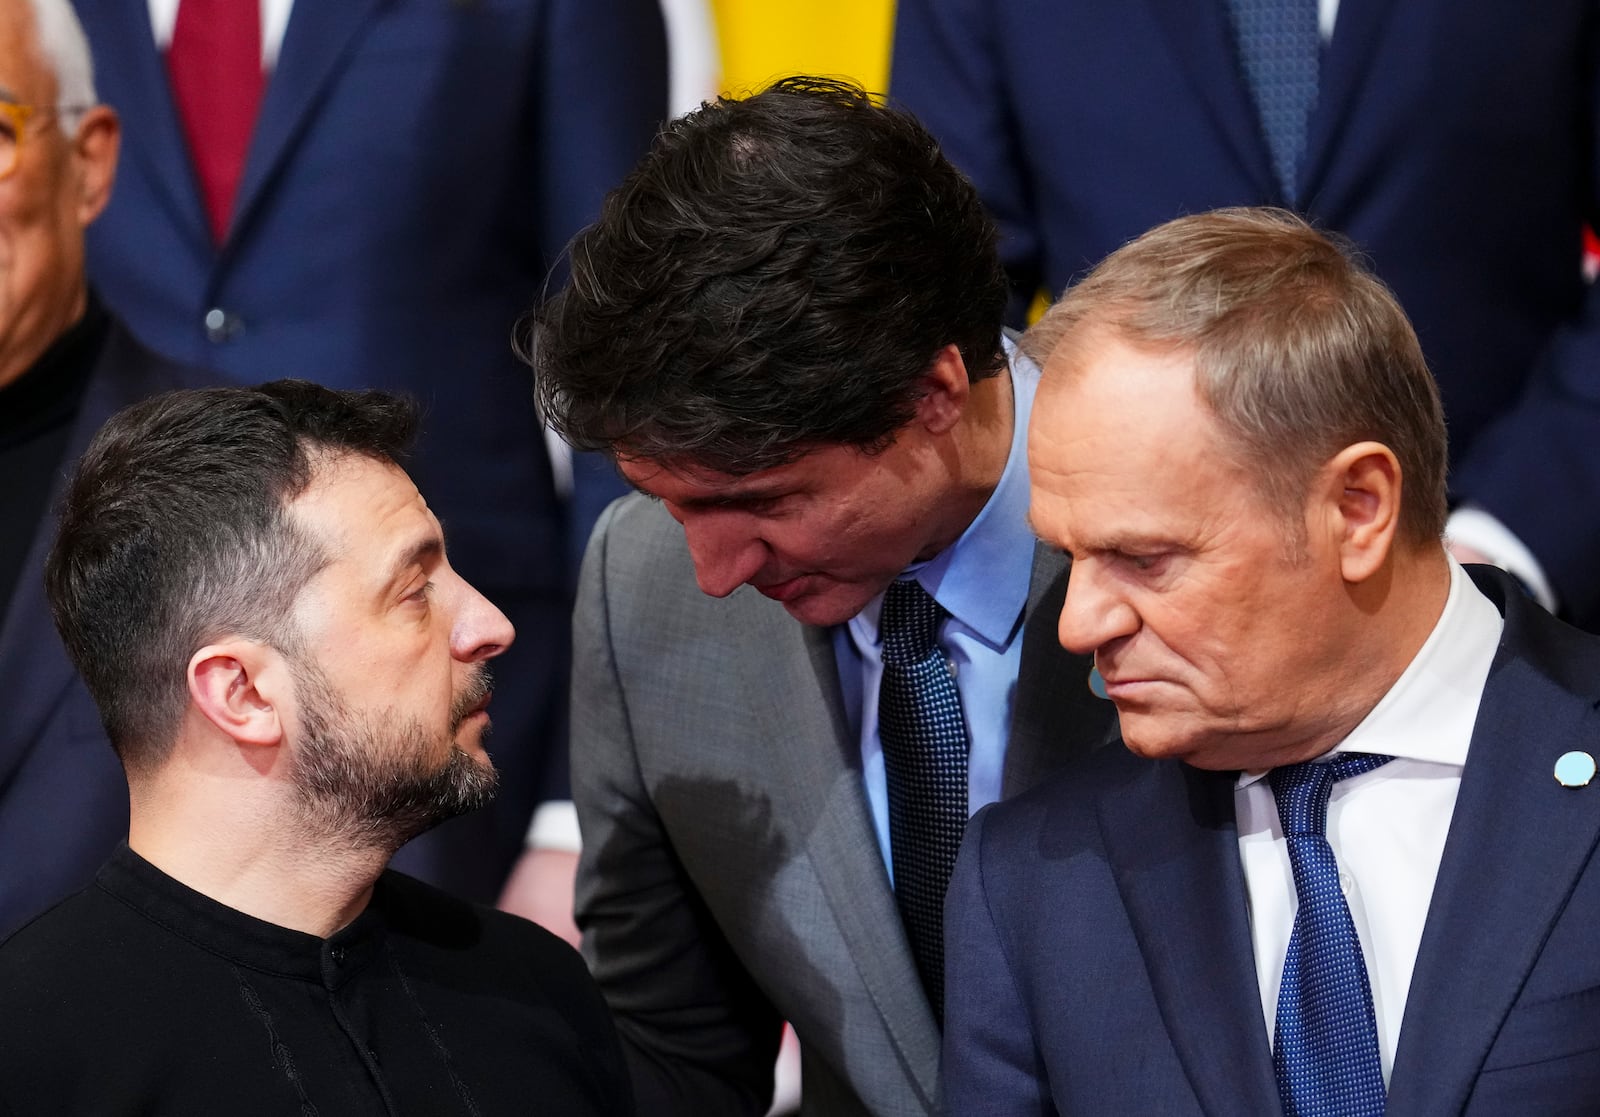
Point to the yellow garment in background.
(762, 40)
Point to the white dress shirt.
(1388, 826)
(274, 19)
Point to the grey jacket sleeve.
(699, 1035)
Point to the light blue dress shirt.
(982, 581)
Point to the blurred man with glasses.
(65, 365)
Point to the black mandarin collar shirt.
(142, 996)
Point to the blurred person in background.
(1453, 142)
(66, 364)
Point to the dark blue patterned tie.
(924, 739)
(1279, 52)
(1326, 1051)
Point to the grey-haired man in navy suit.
(1345, 861)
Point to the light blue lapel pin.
(1574, 769)
(1097, 685)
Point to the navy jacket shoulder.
(63, 800)
(1099, 937)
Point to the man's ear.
(1361, 488)
(237, 685)
(95, 145)
(945, 389)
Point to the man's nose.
(1094, 613)
(725, 555)
(481, 630)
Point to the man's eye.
(1145, 563)
(421, 593)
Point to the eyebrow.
(1126, 544)
(731, 499)
(417, 554)
(756, 493)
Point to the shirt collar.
(232, 934)
(1429, 713)
(982, 578)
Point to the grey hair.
(65, 49)
(1299, 350)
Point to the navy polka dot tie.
(924, 739)
(1280, 54)
(1326, 1049)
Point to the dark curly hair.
(778, 273)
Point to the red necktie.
(215, 66)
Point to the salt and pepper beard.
(368, 780)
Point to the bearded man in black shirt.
(296, 682)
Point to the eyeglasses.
(14, 120)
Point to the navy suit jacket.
(1455, 141)
(1099, 952)
(416, 171)
(63, 798)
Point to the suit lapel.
(127, 60)
(318, 40)
(1171, 841)
(1056, 716)
(1518, 842)
(803, 711)
(1357, 35)
(1200, 43)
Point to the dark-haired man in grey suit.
(786, 327)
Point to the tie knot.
(1302, 790)
(909, 624)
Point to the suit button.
(221, 326)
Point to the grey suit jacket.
(730, 877)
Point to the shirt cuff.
(1473, 527)
(555, 826)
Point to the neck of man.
(19, 354)
(247, 849)
(1391, 617)
(974, 457)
